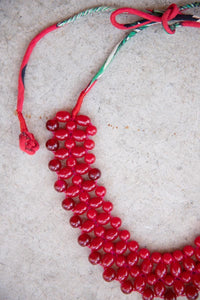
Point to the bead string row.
(164, 275)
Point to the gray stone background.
(146, 109)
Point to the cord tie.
(170, 14)
(27, 141)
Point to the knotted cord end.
(28, 143)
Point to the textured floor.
(146, 109)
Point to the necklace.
(165, 275)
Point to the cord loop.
(170, 14)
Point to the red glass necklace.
(165, 275)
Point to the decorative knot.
(28, 143)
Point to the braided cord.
(114, 53)
(190, 5)
(85, 13)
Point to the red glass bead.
(139, 283)
(65, 173)
(191, 292)
(197, 241)
(169, 280)
(107, 206)
(179, 287)
(120, 260)
(188, 264)
(196, 280)
(167, 258)
(82, 120)
(52, 145)
(197, 253)
(71, 125)
(81, 168)
(61, 134)
(73, 191)
(94, 174)
(126, 287)
(178, 255)
(169, 295)
(151, 279)
(84, 197)
(96, 243)
(198, 267)
(89, 144)
(146, 266)
(148, 294)
(124, 235)
(108, 247)
(91, 130)
(109, 274)
(84, 240)
(63, 116)
(159, 289)
(103, 218)
(134, 271)
(80, 208)
(52, 125)
(120, 247)
(78, 151)
(60, 186)
(77, 179)
(111, 234)
(91, 213)
(156, 257)
(144, 253)
(116, 222)
(186, 276)
(71, 162)
(161, 270)
(107, 260)
(90, 158)
(132, 258)
(62, 153)
(96, 202)
(99, 231)
(95, 258)
(68, 203)
(87, 226)
(100, 191)
(79, 135)
(133, 246)
(70, 143)
(75, 221)
(88, 185)
(188, 250)
(175, 269)
(54, 165)
(122, 274)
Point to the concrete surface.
(146, 109)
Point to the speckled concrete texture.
(146, 109)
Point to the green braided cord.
(114, 53)
(190, 5)
(85, 13)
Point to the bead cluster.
(165, 275)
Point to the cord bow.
(173, 12)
